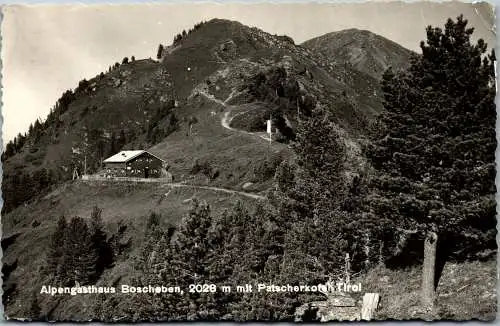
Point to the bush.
(206, 169)
(37, 162)
(266, 169)
(83, 85)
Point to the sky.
(47, 49)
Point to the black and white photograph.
(249, 162)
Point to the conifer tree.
(122, 140)
(311, 229)
(56, 255)
(191, 252)
(113, 145)
(153, 234)
(315, 187)
(81, 257)
(321, 155)
(155, 264)
(435, 145)
(191, 244)
(100, 245)
(159, 54)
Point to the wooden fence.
(132, 179)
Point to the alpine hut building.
(136, 164)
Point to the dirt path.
(228, 191)
(174, 185)
(227, 118)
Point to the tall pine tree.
(435, 148)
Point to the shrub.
(265, 169)
(206, 169)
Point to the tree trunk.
(366, 250)
(381, 253)
(428, 290)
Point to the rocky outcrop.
(337, 307)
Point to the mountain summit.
(365, 51)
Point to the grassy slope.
(466, 291)
(234, 154)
